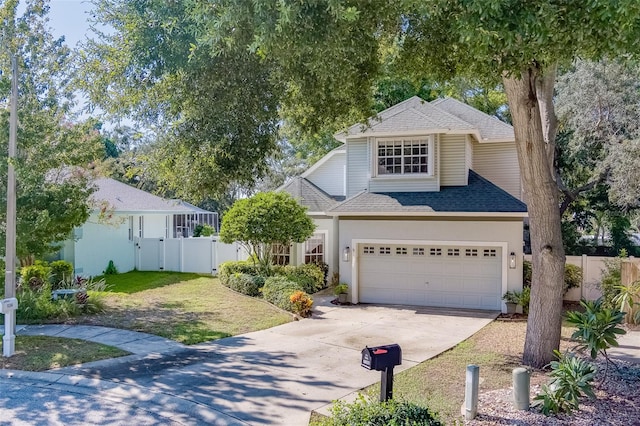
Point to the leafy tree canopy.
(52, 194)
(262, 220)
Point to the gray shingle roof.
(443, 115)
(490, 127)
(123, 197)
(413, 114)
(309, 195)
(479, 196)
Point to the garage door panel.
(446, 276)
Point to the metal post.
(9, 339)
(386, 384)
(471, 392)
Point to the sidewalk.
(628, 349)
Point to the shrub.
(626, 301)
(35, 276)
(245, 283)
(203, 230)
(278, 291)
(309, 276)
(521, 298)
(227, 269)
(111, 269)
(369, 412)
(571, 378)
(61, 272)
(597, 327)
(572, 275)
(611, 279)
(301, 303)
(341, 288)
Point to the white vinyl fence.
(200, 255)
(592, 267)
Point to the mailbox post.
(8, 308)
(383, 359)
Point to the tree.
(327, 53)
(215, 114)
(265, 219)
(53, 194)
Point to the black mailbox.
(380, 358)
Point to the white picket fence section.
(200, 255)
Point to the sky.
(68, 18)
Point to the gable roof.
(415, 115)
(309, 195)
(125, 198)
(479, 196)
(490, 127)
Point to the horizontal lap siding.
(452, 160)
(498, 163)
(329, 176)
(358, 166)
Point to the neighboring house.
(124, 217)
(421, 206)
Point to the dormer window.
(404, 156)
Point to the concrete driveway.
(275, 376)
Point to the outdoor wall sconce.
(346, 254)
(512, 260)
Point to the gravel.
(617, 403)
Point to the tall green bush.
(611, 279)
(572, 275)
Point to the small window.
(471, 252)
(453, 252)
(314, 249)
(384, 250)
(489, 253)
(141, 226)
(401, 251)
(369, 250)
(435, 252)
(418, 251)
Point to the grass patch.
(41, 353)
(188, 308)
(136, 281)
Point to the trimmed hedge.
(278, 291)
(309, 276)
(246, 284)
(227, 269)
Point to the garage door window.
(471, 252)
(418, 251)
(435, 252)
(453, 252)
(384, 250)
(489, 252)
(401, 251)
(369, 250)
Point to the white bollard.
(471, 392)
(521, 388)
(8, 308)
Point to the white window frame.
(281, 254)
(321, 256)
(429, 139)
(141, 226)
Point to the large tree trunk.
(535, 153)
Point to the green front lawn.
(188, 308)
(40, 353)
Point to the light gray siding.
(453, 160)
(498, 163)
(358, 166)
(468, 157)
(329, 176)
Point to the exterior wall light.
(512, 260)
(346, 254)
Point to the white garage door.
(430, 275)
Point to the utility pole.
(9, 304)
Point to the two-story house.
(419, 206)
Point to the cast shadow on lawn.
(250, 385)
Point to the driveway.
(274, 376)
